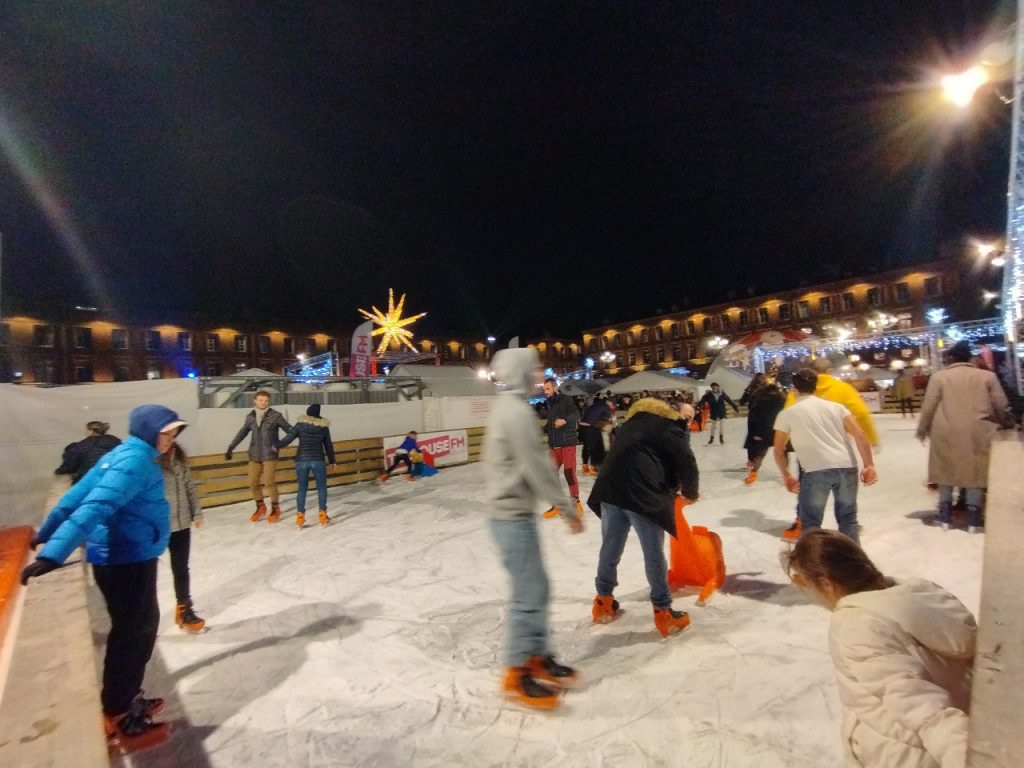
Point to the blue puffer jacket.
(118, 508)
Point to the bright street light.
(960, 88)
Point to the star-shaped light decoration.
(392, 324)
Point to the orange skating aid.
(695, 557)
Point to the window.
(241, 343)
(152, 340)
(632, 358)
(825, 305)
(674, 330)
(785, 313)
(874, 297)
(43, 336)
(83, 340)
(647, 357)
(213, 368)
(213, 344)
(744, 318)
(691, 351)
(83, 371)
(902, 293)
(661, 355)
(707, 325)
(289, 345)
(762, 315)
(44, 372)
(618, 339)
(5, 334)
(630, 338)
(691, 328)
(462, 351)
(311, 347)
(659, 333)
(803, 309)
(119, 340)
(185, 341)
(122, 371)
(726, 322)
(332, 345)
(933, 286)
(263, 345)
(592, 345)
(154, 370)
(849, 305)
(677, 351)
(645, 336)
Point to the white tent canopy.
(653, 381)
(447, 380)
(256, 373)
(732, 380)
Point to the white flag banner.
(362, 350)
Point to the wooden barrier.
(224, 482)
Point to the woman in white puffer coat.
(903, 652)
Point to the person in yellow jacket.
(837, 391)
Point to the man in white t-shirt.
(820, 432)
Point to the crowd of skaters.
(138, 499)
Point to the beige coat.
(902, 388)
(903, 660)
(962, 409)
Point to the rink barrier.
(222, 482)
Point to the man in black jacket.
(80, 457)
(649, 464)
(314, 433)
(563, 416)
(717, 400)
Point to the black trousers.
(179, 547)
(130, 593)
(400, 458)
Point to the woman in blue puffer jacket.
(118, 509)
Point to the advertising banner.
(362, 350)
(449, 447)
(873, 400)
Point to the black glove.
(38, 568)
(228, 455)
(36, 541)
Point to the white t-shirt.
(815, 428)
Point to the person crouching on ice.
(402, 457)
(519, 475)
(119, 510)
(649, 463)
(903, 652)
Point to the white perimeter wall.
(36, 424)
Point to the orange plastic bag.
(695, 557)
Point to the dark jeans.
(319, 470)
(130, 593)
(907, 405)
(584, 431)
(400, 458)
(814, 491)
(615, 525)
(179, 547)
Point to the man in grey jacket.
(519, 478)
(263, 422)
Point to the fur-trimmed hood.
(316, 421)
(653, 406)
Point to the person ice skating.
(118, 508)
(763, 406)
(597, 442)
(820, 431)
(716, 400)
(963, 408)
(262, 422)
(837, 391)
(402, 457)
(903, 393)
(519, 477)
(314, 433)
(595, 413)
(563, 416)
(647, 467)
(80, 457)
(903, 652)
(180, 492)
(755, 384)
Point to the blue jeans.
(527, 626)
(615, 525)
(319, 470)
(974, 495)
(814, 490)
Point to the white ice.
(378, 640)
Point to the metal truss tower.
(1013, 272)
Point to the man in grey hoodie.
(519, 476)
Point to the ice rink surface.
(377, 641)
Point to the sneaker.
(605, 609)
(133, 731)
(520, 688)
(260, 513)
(300, 519)
(552, 512)
(545, 669)
(751, 478)
(669, 622)
(793, 532)
(187, 620)
(275, 513)
(324, 519)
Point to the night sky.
(515, 167)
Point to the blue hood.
(146, 421)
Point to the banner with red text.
(362, 350)
(449, 447)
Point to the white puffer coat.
(903, 659)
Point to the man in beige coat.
(963, 408)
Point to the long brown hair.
(831, 555)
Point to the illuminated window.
(675, 330)
(803, 309)
(289, 345)
(933, 286)
(874, 296)
(677, 351)
(659, 333)
(263, 345)
(43, 336)
(241, 343)
(632, 358)
(645, 336)
(707, 325)
(726, 322)
(153, 341)
(185, 341)
(762, 315)
(630, 338)
(825, 305)
(902, 293)
(213, 345)
(83, 340)
(785, 313)
(661, 355)
(744, 318)
(691, 328)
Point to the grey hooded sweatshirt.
(519, 474)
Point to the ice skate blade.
(522, 704)
(122, 746)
